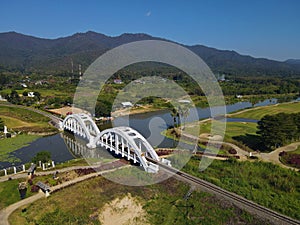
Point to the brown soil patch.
(125, 211)
(211, 137)
(64, 110)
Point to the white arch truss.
(129, 143)
(82, 125)
(123, 141)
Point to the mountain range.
(31, 54)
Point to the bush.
(34, 188)
(232, 151)
(43, 156)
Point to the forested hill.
(26, 53)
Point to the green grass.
(72, 162)
(222, 151)
(77, 204)
(265, 183)
(297, 151)
(19, 119)
(22, 114)
(258, 113)
(45, 92)
(9, 145)
(233, 129)
(9, 192)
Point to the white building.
(2, 99)
(31, 94)
(126, 104)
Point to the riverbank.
(25, 125)
(137, 110)
(259, 112)
(9, 145)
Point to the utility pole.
(79, 69)
(72, 71)
(186, 206)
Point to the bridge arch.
(123, 141)
(82, 125)
(131, 144)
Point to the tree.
(280, 129)
(184, 112)
(43, 156)
(14, 97)
(174, 113)
(37, 95)
(1, 124)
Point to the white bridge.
(123, 141)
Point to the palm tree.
(184, 112)
(174, 113)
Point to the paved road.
(274, 155)
(240, 152)
(268, 157)
(4, 213)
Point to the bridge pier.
(92, 143)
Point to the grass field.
(9, 193)
(19, 119)
(265, 183)
(22, 114)
(258, 113)
(297, 151)
(161, 204)
(233, 129)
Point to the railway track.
(241, 202)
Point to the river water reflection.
(149, 125)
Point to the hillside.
(32, 54)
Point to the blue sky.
(261, 28)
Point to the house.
(31, 94)
(118, 81)
(184, 101)
(126, 104)
(2, 99)
(138, 81)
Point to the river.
(150, 125)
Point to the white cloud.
(148, 13)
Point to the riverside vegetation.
(162, 204)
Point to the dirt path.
(4, 213)
(274, 155)
(24, 174)
(240, 152)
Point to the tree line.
(279, 129)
